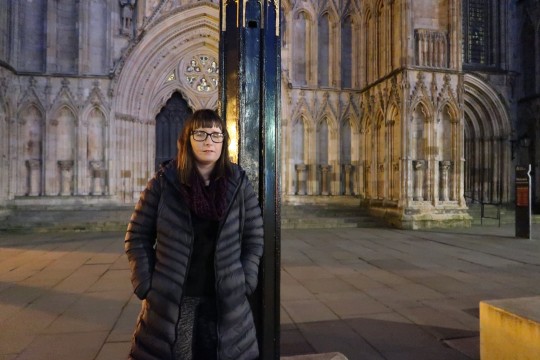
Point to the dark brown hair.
(204, 118)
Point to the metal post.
(250, 93)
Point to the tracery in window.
(477, 32)
(324, 49)
(202, 73)
(346, 53)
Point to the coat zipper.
(215, 263)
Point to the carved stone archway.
(487, 131)
(152, 70)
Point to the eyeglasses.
(199, 135)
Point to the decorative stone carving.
(301, 176)
(66, 176)
(98, 177)
(418, 168)
(127, 8)
(325, 169)
(444, 167)
(348, 176)
(34, 176)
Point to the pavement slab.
(369, 294)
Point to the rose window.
(202, 73)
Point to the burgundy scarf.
(207, 202)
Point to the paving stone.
(124, 326)
(469, 346)
(82, 278)
(302, 311)
(307, 272)
(113, 280)
(328, 336)
(378, 329)
(295, 292)
(440, 324)
(293, 342)
(93, 312)
(352, 305)
(330, 285)
(80, 346)
(326, 356)
(114, 350)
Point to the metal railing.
(483, 205)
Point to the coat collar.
(169, 172)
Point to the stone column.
(418, 168)
(66, 176)
(444, 167)
(348, 173)
(367, 180)
(98, 177)
(380, 181)
(301, 179)
(324, 179)
(34, 176)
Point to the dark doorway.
(169, 122)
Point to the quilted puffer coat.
(158, 244)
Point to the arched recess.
(302, 38)
(150, 72)
(380, 149)
(169, 123)
(60, 142)
(418, 151)
(322, 155)
(346, 156)
(147, 65)
(30, 150)
(299, 155)
(487, 150)
(394, 150)
(4, 150)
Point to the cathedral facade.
(414, 109)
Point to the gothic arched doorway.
(487, 147)
(169, 122)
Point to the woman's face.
(206, 152)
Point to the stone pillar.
(367, 180)
(348, 172)
(98, 177)
(34, 176)
(418, 168)
(324, 179)
(301, 179)
(444, 167)
(66, 176)
(380, 181)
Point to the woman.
(194, 244)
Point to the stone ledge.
(510, 328)
(327, 356)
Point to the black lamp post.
(250, 77)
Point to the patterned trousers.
(197, 329)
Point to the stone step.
(510, 328)
(300, 216)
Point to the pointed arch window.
(346, 53)
(301, 40)
(528, 58)
(324, 50)
(477, 32)
(322, 142)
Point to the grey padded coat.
(158, 245)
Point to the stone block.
(328, 356)
(510, 329)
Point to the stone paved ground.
(367, 293)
